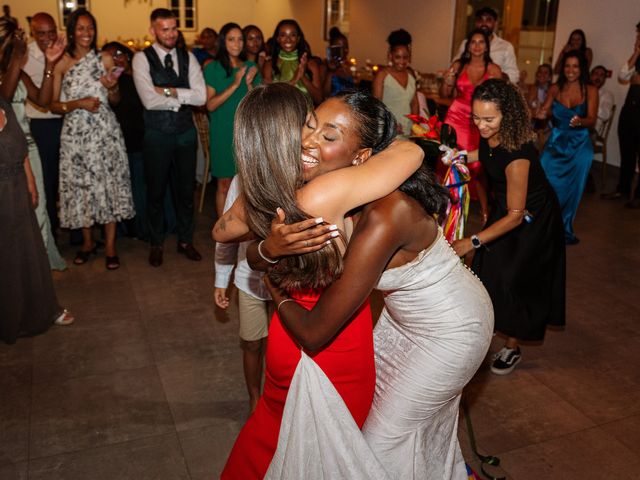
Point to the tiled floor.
(147, 384)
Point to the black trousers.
(170, 159)
(629, 139)
(46, 133)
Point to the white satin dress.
(432, 336)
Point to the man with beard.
(502, 52)
(169, 81)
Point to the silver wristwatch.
(475, 241)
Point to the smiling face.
(329, 139)
(400, 58)
(44, 32)
(572, 69)
(288, 37)
(477, 45)
(84, 33)
(165, 31)
(254, 41)
(234, 42)
(488, 118)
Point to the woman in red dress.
(472, 68)
(272, 118)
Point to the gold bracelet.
(284, 301)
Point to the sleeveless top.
(398, 99)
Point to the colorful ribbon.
(456, 180)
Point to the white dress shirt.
(195, 95)
(230, 254)
(502, 54)
(35, 69)
(605, 104)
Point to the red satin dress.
(459, 117)
(348, 362)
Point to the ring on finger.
(306, 243)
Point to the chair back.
(603, 134)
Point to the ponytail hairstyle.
(268, 145)
(376, 125)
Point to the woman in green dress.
(291, 61)
(228, 80)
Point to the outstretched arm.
(517, 174)
(372, 245)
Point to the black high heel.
(112, 263)
(82, 256)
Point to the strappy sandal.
(112, 263)
(64, 319)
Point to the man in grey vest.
(169, 81)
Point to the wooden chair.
(201, 120)
(600, 142)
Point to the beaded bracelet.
(263, 256)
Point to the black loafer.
(155, 256)
(189, 251)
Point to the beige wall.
(610, 31)
(132, 21)
(429, 21)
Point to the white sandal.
(65, 318)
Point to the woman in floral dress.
(95, 187)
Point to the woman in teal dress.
(228, 80)
(291, 61)
(568, 153)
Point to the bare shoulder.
(64, 64)
(392, 211)
(494, 70)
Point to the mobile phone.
(335, 53)
(116, 72)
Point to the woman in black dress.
(520, 254)
(28, 303)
